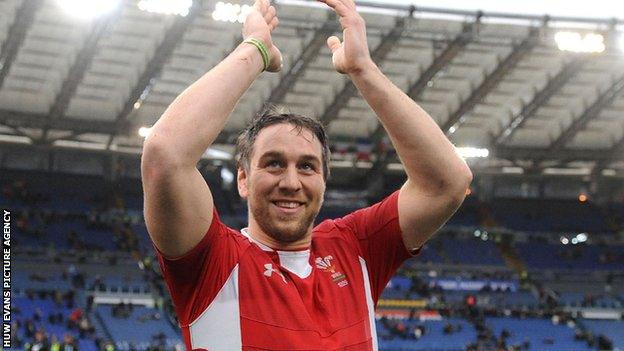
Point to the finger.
(338, 6)
(333, 43)
(258, 5)
(270, 14)
(264, 5)
(349, 3)
(274, 23)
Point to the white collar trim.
(296, 262)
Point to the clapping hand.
(259, 24)
(351, 55)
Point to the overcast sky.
(568, 8)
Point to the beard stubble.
(285, 230)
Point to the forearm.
(196, 117)
(430, 160)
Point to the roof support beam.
(541, 97)
(491, 81)
(305, 58)
(378, 55)
(414, 92)
(16, 131)
(154, 67)
(14, 119)
(441, 61)
(80, 67)
(616, 153)
(604, 100)
(563, 155)
(24, 18)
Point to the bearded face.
(284, 185)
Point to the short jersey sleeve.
(379, 240)
(195, 278)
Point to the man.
(281, 284)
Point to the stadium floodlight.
(87, 10)
(472, 152)
(145, 131)
(581, 237)
(166, 7)
(216, 154)
(575, 42)
(227, 176)
(564, 240)
(228, 12)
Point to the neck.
(257, 234)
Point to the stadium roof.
(490, 80)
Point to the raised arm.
(178, 204)
(437, 176)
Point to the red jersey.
(232, 293)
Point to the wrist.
(250, 55)
(262, 48)
(364, 69)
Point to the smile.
(289, 207)
(285, 204)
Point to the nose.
(289, 180)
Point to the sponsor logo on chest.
(325, 264)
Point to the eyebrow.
(277, 154)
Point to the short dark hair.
(247, 138)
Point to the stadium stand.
(461, 271)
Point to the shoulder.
(333, 232)
(331, 228)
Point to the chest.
(318, 298)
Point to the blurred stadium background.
(533, 260)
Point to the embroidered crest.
(325, 264)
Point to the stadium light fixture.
(166, 7)
(216, 154)
(87, 10)
(227, 176)
(228, 12)
(575, 42)
(564, 240)
(145, 131)
(581, 237)
(473, 152)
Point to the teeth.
(287, 204)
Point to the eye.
(308, 167)
(273, 164)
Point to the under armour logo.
(270, 270)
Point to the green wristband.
(264, 52)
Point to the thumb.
(333, 43)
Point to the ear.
(241, 181)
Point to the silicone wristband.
(264, 52)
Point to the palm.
(352, 54)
